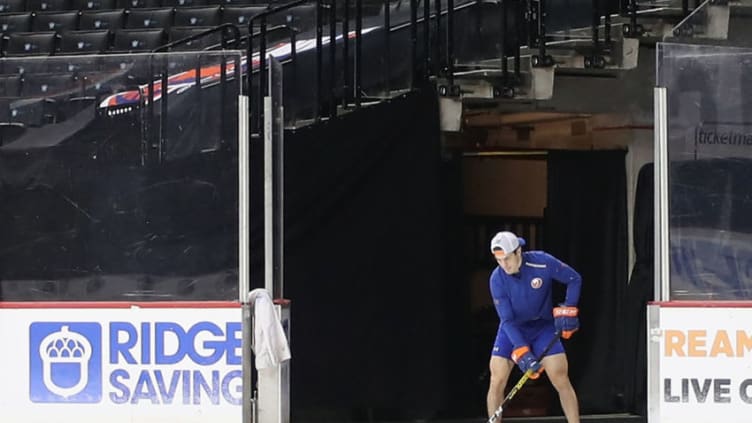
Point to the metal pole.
(244, 253)
(450, 42)
(426, 39)
(437, 39)
(346, 77)
(332, 58)
(244, 190)
(387, 48)
(660, 177)
(319, 61)
(163, 112)
(413, 43)
(268, 195)
(261, 78)
(504, 42)
(247, 367)
(358, 51)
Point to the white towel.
(269, 341)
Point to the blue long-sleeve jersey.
(525, 297)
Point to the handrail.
(232, 27)
(262, 58)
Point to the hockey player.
(521, 287)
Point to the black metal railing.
(155, 140)
(427, 40)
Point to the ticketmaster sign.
(707, 141)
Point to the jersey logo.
(536, 283)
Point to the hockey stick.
(522, 380)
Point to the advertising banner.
(114, 365)
(704, 365)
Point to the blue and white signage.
(121, 365)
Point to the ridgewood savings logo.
(151, 362)
(65, 362)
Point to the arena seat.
(241, 15)
(160, 17)
(179, 32)
(243, 2)
(85, 41)
(102, 19)
(51, 85)
(30, 43)
(15, 22)
(197, 16)
(302, 17)
(55, 21)
(138, 4)
(94, 5)
(185, 3)
(10, 85)
(7, 6)
(133, 40)
(42, 96)
(47, 5)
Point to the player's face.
(510, 263)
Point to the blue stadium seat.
(30, 44)
(102, 19)
(47, 5)
(8, 6)
(149, 18)
(54, 21)
(133, 40)
(197, 16)
(15, 22)
(94, 4)
(87, 42)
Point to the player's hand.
(526, 361)
(566, 320)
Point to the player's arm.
(566, 315)
(564, 273)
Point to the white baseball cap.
(504, 243)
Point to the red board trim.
(703, 304)
(117, 304)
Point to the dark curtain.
(633, 352)
(363, 263)
(586, 227)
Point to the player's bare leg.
(557, 369)
(500, 369)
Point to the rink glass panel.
(118, 177)
(709, 122)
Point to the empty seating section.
(50, 27)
